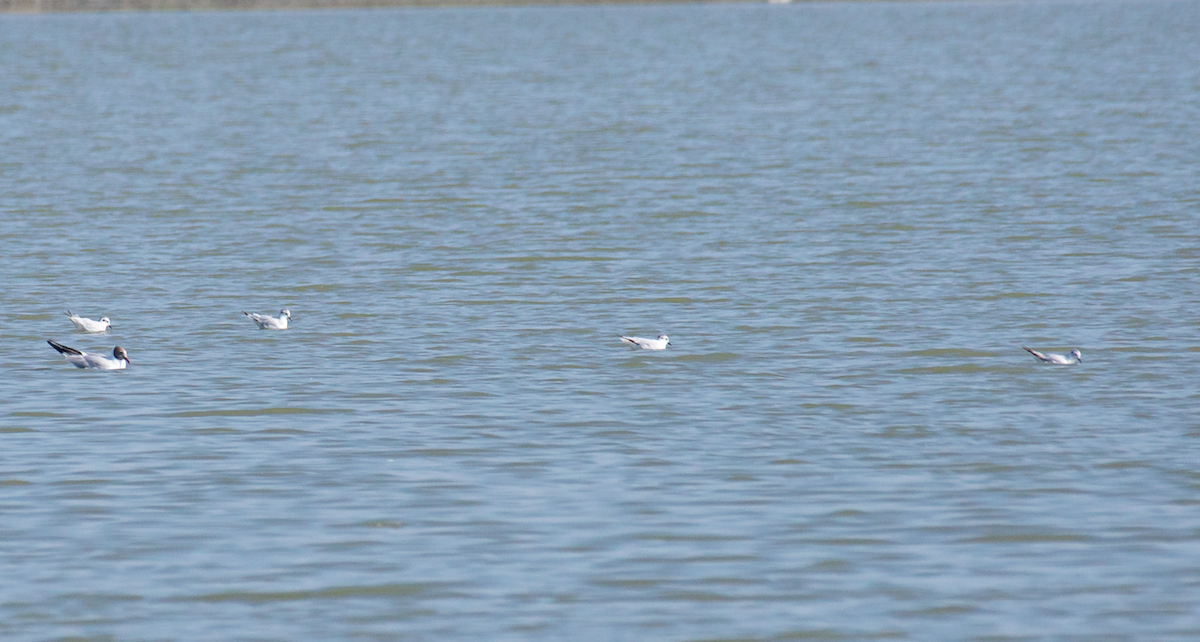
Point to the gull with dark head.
(270, 323)
(81, 359)
(1075, 357)
(660, 343)
(89, 325)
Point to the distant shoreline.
(72, 6)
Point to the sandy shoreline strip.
(63, 6)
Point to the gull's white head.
(663, 337)
(285, 313)
(105, 320)
(1078, 355)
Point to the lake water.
(848, 217)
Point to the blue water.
(848, 217)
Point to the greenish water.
(848, 217)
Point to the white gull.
(660, 343)
(270, 323)
(89, 325)
(1075, 357)
(81, 359)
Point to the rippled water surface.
(848, 217)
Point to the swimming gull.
(1057, 359)
(271, 323)
(89, 325)
(81, 359)
(660, 343)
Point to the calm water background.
(848, 217)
